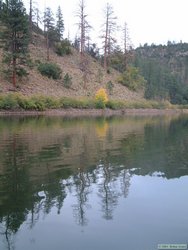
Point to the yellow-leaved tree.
(101, 98)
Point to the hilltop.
(36, 84)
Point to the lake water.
(93, 184)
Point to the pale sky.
(149, 21)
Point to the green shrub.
(132, 79)
(21, 72)
(28, 104)
(37, 62)
(51, 103)
(99, 104)
(8, 102)
(110, 87)
(115, 104)
(67, 102)
(32, 103)
(50, 70)
(185, 106)
(63, 48)
(67, 81)
(100, 75)
(141, 104)
(39, 103)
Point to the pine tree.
(14, 36)
(1, 6)
(30, 17)
(37, 18)
(59, 24)
(49, 29)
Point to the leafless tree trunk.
(82, 28)
(106, 39)
(110, 27)
(128, 55)
(125, 45)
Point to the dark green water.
(93, 184)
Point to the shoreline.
(71, 112)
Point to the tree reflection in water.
(80, 160)
(15, 186)
(107, 194)
(82, 190)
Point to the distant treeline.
(165, 69)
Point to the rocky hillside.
(36, 84)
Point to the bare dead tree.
(84, 28)
(127, 46)
(83, 25)
(109, 28)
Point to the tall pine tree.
(14, 36)
(49, 29)
(59, 24)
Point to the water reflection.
(44, 160)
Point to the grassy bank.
(41, 103)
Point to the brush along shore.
(19, 104)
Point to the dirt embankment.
(96, 112)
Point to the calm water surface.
(93, 184)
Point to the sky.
(148, 21)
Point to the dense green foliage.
(14, 37)
(110, 87)
(67, 81)
(59, 24)
(50, 70)
(63, 48)
(165, 69)
(116, 60)
(132, 79)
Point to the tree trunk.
(106, 44)
(30, 19)
(47, 46)
(125, 46)
(82, 40)
(14, 73)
